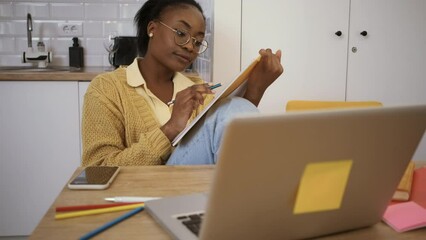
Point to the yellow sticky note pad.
(322, 186)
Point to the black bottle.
(76, 54)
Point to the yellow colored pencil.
(97, 211)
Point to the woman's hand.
(264, 74)
(185, 103)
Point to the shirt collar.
(135, 78)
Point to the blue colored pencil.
(215, 86)
(110, 224)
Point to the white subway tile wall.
(67, 11)
(99, 20)
(6, 10)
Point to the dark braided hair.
(152, 10)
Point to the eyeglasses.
(182, 38)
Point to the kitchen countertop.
(85, 74)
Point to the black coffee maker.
(123, 51)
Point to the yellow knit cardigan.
(118, 126)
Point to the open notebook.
(236, 87)
(299, 175)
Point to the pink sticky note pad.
(405, 216)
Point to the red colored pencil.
(88, 207)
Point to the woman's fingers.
(263, 75)
(278, 54)
(271, 63)
(185, 103)
(198, 91)
(192, 96)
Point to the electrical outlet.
(70, 29)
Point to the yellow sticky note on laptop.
(322, 186)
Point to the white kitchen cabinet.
(82, 88)
(39, 149)
(327, 57)
(390, 62)
(387, 64)
(314, 57)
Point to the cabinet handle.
(364, 33)
(338, 33)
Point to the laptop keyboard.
(192, 222)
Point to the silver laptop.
(299, 175)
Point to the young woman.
(127, 119)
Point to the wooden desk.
(157, 181)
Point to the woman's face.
(162, 45)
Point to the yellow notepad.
(403, 190)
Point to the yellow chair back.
(298, 105)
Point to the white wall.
(227, 40)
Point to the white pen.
(130, 199)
